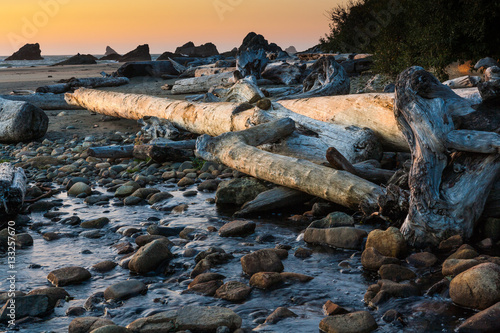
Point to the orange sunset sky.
(88, 26)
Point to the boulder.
(280, 314)
(341, 237)
(456, 266)
(124, 290)
(79, 59)
(21, 121)
(238, 191)
(233, 291)
(390, 242)
(87, 324)
(396, 273)
(371, 259)
(265, 260)
(53, 293)
(26, 306)
(333, 220)
(27, 52)
(422, 259)
(487, 320)
(206, 318)
(149, 257)
(205, 50)
(265, 280)
(237, 229)
(68, 275)
(141, 53)
(359, 322)
(478, 287)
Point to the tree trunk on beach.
(44, 101)
(204, 83)
(91, 82)
(12, 189)
(453, 170)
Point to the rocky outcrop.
(109, 51)
(27, 52)
(111, 54)
(79, 59)
(205, 50)
(255, 42)
(291, 50)
(141, 53)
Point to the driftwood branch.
(12, 189)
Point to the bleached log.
(448, 191)
(276, 198)
(21, 121)
(91, 82)
(12, 189)
(243, 91)
(237, 150)
(204, 83)
(463, 82)
(373, 110)
(311, 142)
(44, 101)
(211, 70)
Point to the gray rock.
(87, 324)
(149, 257)
(124, 290)
(238, 191)
(158, 197)
(359, 322)
(332, 220)
(237, 228)
(68, 275)
(79, 188)
(53, 293)
(341, 237)
(26, 306)
(132, 200)
(98, 223)
(265, 260)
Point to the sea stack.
(27, 52)
(205, 50)
(111, 54)
(141, 53)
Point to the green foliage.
(427, 33)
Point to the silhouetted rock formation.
(166, 55)
(291, 50)
(141, 53)
(109, 51)
(111, 54)
(79, 59)
(205, 50)
(27, 52)
(255, 42)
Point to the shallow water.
(48, 61)
(341, 285)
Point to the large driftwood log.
(148, 68)
(91, 82)
(44, 101)
(211, 70)
(127, 151)
(12, 189)
(327, 78)
(463, 82)
(204, 83)
(251, 62)
(373, 110)
(284, 73)
(448, 190)
(21, 121)
(311, 141)
(237, 150)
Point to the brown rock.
(359, 322)
(371, 259)
(464, 252)
(53, 293)
(149, 257)
(332, 309)
(237, 229)
(487, 320)
(341, 237)
(456, 266)
(422, 259)
(206, 277)
(265, 280)
(390, 243)
(451, 244)
(265, 260)
(233, 291)
(205, 288)
(68, 275)
(279, 314)
(87, 324)
(104, 266)
(396, 273)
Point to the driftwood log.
(452, 169)
(237, 150)
(179, 148)
(252, 62)
(284, 73)
(91, 82)
(148, 68)
(161, 154)
(373, 110)
(311, 140)
(204, 83)
(21, 121)
(44, 101)
(12, 189)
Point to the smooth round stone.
(124, 290)
(79, 188)
(68, 275)
(132, 201)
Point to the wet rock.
(487, 320)
(359, 322)
(78, 189)
(265, 260)
(265, 280)
(160, 322)
(464, 252)
(92, 234)
(206, 277)
(189, 252)
(386, 289)
(93, 302)
(396, 273)
(125, 191)
(238, 191)
(53, 293)
(265, 238)
(68, 275)
(23, 240)
(372, 259)
(144, 192)
(333, 220)
(341, 237)
(51, 236)
(290, 276)
(303, 253)
(124, 290)
(164, 231)
(43, 161)
(237, 229)
(75, 311)
(104, 266)
(132, 201)
(478, 287)
(185, 181)
(98, 223)
(210, 261)
(389, 243)
(111, 329)
(73, 220)
(332, 309)
(149, 257)
(43, 206)
(145, 239)
(141, 53)
(233, 291)
(422, 259)
(279, 314)
(391, 315)
(209, 185)
(205, 288)
(87, 324)
(26, 306)
(158, 197)
(456, 266)
(27, 52)
(451, 244)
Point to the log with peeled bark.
(373, 110)
(12, 190)
(21, 121)
(204, 83)
(237, 150)
(451, 176)
(310, 142)
(91, 82)
(44, 101)
(463, 82)
(327, 78)
(243, 91)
